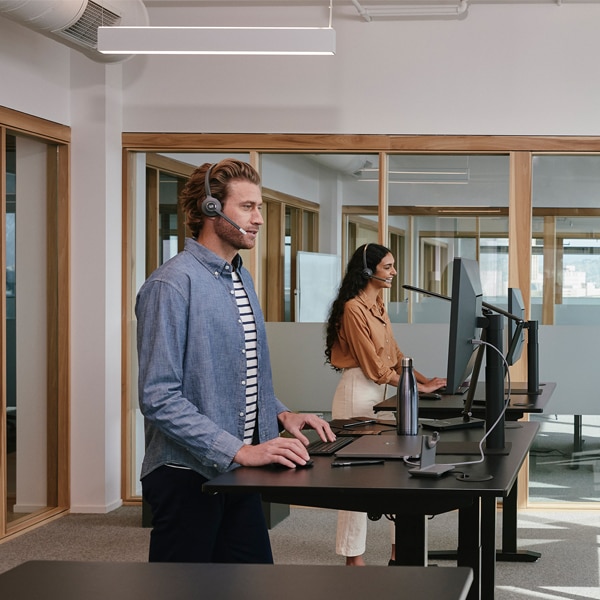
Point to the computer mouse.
(280, 467)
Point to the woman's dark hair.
(365, 259)
(221, 175)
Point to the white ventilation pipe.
(75, 22)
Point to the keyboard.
(321, 448)
(462, 389)
(451, 423)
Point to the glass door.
(34, 398)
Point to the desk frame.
(389, 489)
(520, 404)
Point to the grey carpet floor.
(568, 569)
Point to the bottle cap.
(406, 361)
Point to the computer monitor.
(465, 312)
(516, 331)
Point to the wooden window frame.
(520, 150)
(58, 140)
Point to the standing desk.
(519, 405)
(388, 488)
(56, 580)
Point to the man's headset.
(211, 207)
(366, 272)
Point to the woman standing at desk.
(360, 343)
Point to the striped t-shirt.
(247, 319)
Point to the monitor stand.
(428, 466)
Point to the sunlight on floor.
(558, 593)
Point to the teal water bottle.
(407, 400)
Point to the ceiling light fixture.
(423, 9)
(218, 40)
(421, 176)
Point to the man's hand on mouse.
(285, 451)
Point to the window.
(499, 200)
(34, 326)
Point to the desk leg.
(411, 540)
(488, 547)
(469, 546)
(577, 440)
(509, 552)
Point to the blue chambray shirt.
(192, 364)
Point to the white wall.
(96, 286)
(34, 73)
(503, 69)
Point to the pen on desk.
(355, 463)
(359, 423)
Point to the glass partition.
(465, 199)
(33, 400)
(447, 206)
(565, 300)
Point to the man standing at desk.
(205, 385)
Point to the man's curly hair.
(221, 175)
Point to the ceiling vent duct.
(75, 22)
(348, 164)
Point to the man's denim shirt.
(192, 364)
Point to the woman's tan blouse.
(366, 340)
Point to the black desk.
(520, 404)
(389, 489)
(452, 406)
(54, 580)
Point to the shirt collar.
(375, 306)
(213, 262)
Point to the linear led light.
(412, 10)
(217, 40)
(453, 172)
(429, 177)
(476, 209)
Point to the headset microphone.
(211, 207)
(368, 273)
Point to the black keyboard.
(321, 448)
(462, 389)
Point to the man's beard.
(234, 237)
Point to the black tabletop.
(388, 487)
(451, 405)
(55, 580)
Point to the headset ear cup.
(366, 272)
(211, 206)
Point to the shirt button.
(227, 267)
(244, 351)
(231, 292)
(243, 382)
(241, 414)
